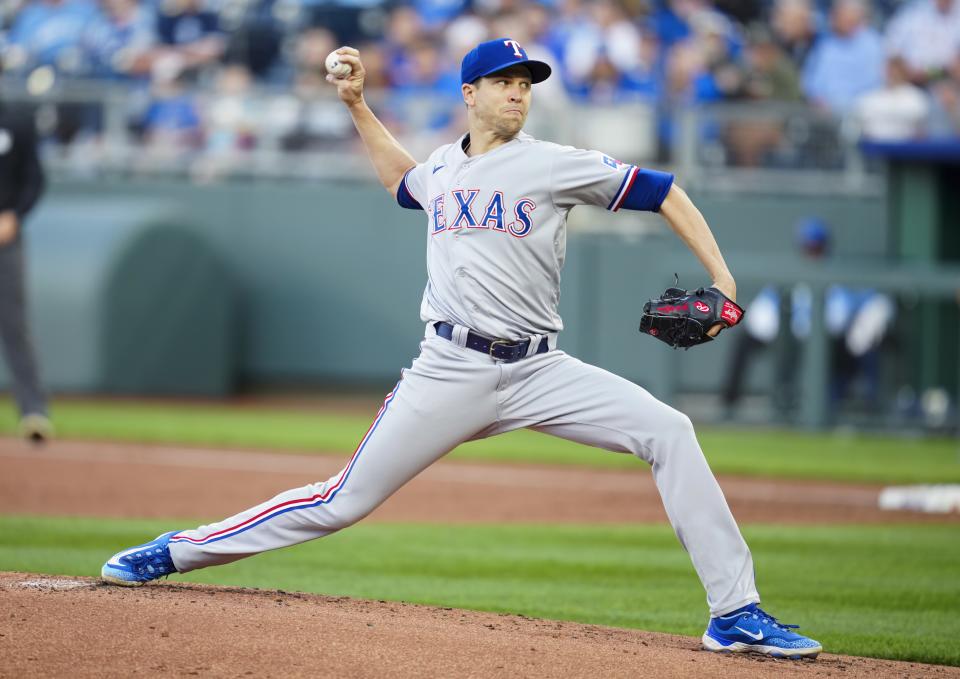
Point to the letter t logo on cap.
(515, 45)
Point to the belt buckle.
(494, 343)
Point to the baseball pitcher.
(495, 203)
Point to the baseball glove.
(682, 318)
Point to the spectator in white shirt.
(926, 34)
(898, 111)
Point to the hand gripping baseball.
(350, 87)
(684, 319)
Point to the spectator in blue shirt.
(184, 22)
(190, 34)
(117, 42)
(704, 67)
(404, 30)
(428, 99)
(669, 22)
(171, 124)
(435, 13)
(605, 58)
(846, 63)
(47, 33)
(679, 20)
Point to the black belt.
(502, 350)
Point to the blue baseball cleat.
(751, 630)
(137, 565)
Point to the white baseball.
(337, 68)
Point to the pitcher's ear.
(468, 91)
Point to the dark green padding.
(127, 297)
(168, 316)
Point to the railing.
(909, 282)
(769, 147)
(93, 128)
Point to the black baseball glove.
(682, 318)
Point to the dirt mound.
(60, 626)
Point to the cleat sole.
(711, 644)
(120, 581)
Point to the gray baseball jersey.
(496, 243)
(496, 226)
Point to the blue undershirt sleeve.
(647, 191)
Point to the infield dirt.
(59, 626)
(151, 481)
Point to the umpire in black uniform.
(21, 183)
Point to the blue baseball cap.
(812, 232)
(496, 55)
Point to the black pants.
(17, 346)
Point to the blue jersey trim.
(404, 197)
(626, 176)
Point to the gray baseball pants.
(17, 346)
(452, 394)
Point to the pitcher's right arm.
(390, 160)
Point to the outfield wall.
(328, 277)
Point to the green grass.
(882, 591)
(748, 452)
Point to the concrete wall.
(126, 296)
(329, 277)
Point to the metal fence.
(776, 148)
(93, 128)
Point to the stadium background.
(215, 265)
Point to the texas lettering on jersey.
(477, 209)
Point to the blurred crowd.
(234, 74)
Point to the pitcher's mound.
(77, 627)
